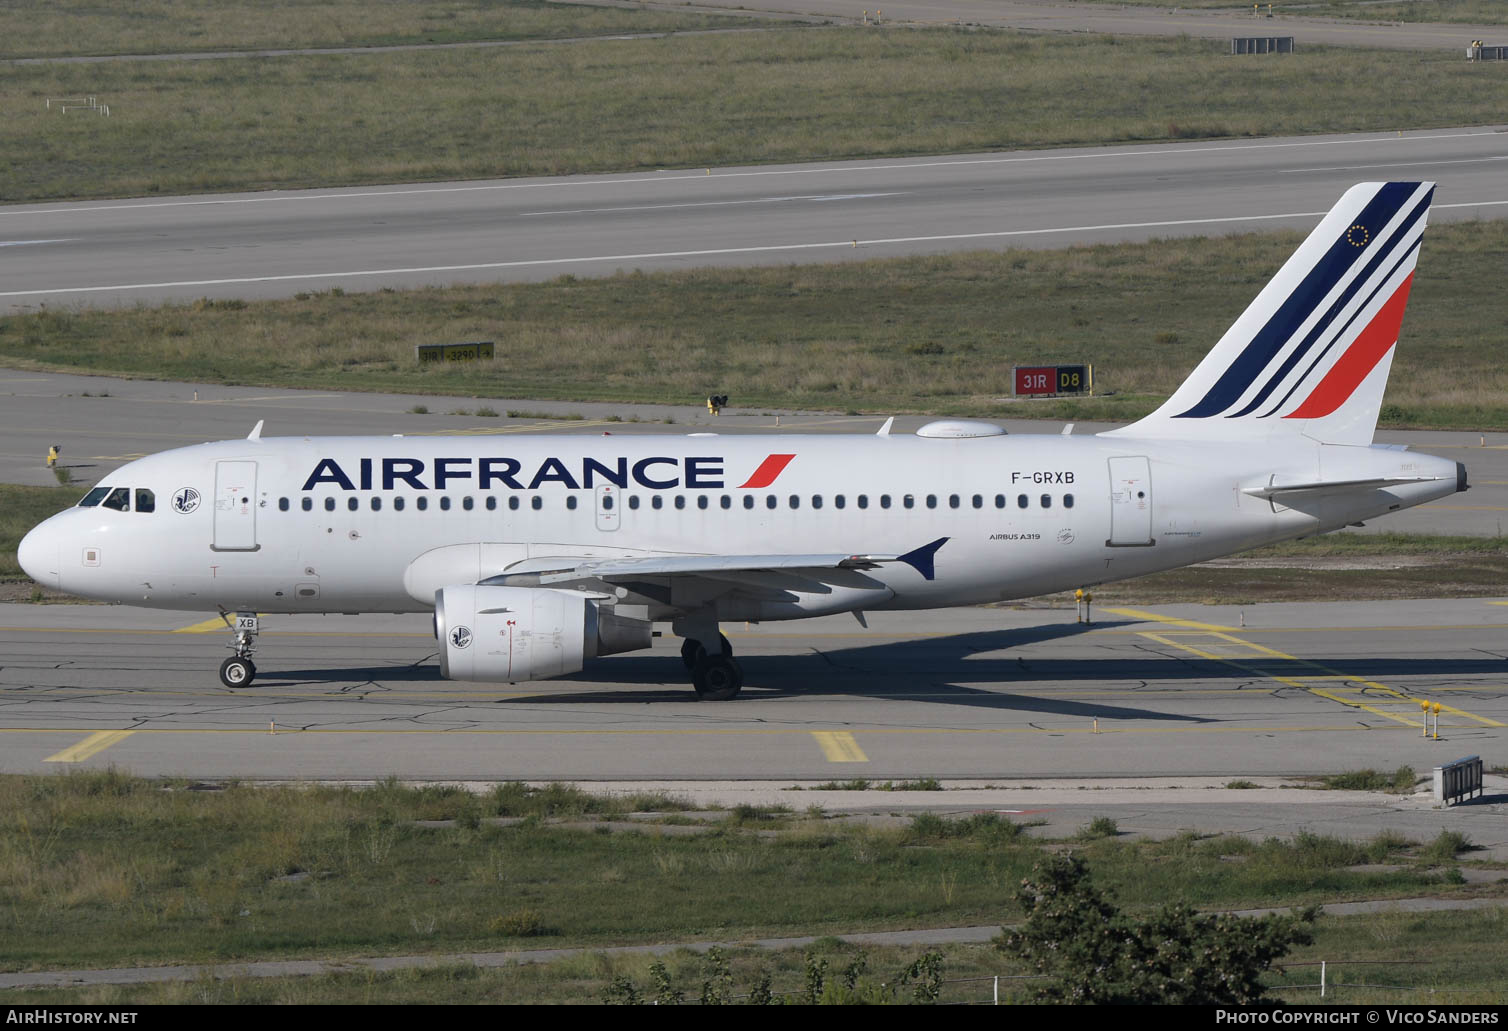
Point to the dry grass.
(787, 95)
(67, 28)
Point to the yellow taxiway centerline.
(839, 746)
(91, 745)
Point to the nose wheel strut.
(239, 670)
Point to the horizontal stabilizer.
(1278, 490)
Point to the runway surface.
(279, 243)
(963, 693)
(102, 423)
(1168, 20)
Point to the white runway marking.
(708, 253)
(31, 243)
(1096, 155)
(712, 204)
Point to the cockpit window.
(146, 501)
(119, 499)
(93, 497)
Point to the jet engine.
(508, 634)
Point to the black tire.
(692, 651)
(236, 672)
(717, 678)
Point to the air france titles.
(655, 473)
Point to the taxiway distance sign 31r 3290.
(552, 551)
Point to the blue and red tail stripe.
(1346, 253)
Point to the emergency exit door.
(235, 506)
(1130, 503)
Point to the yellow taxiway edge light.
(839, 746)
(91, 745)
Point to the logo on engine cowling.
(460, 637)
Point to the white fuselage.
(344, 524)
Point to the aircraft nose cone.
(38, 555)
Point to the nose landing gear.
(239, 670)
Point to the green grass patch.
(71, 28)
(21, 508)
(784, 95)
(833, 337)
(1400, 782)
(103, 869)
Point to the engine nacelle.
(509, 634)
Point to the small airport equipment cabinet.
(1261, 45)
(473, 352)
(1457, 780)
(1051, 380)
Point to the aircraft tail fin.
(1310, 356)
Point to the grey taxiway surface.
(278, 243)
(978, 693)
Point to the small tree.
(1098, 955)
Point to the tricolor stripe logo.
(1335, 325)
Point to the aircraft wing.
(722, 567)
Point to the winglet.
(922, 558)
(885, 429)
(256, 431)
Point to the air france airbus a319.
(542, 554)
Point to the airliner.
(536, 555)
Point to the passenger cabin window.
(352, 503)
(146, 501)
(94, 497)
(839, 501)
(656, 501)
(421, 503)
(282, 504)
(119, 499)
(329, 504)
(816, 500)
(863, 500)
(536, 503)
(1067, 500)
(571, 502)
(513, 504)
(492, 502)
(376, 504)
(931, 500)
(1047, 501)
(398, 504)
(633, 501)
(468, 503)
(444, 502)
(978, 501)
(680, 501)
(1022, 501)
(701, 501)
(748, 501)
(952, 500)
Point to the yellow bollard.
(1437, 721)
(1078, 605)
(52, 456)
(1424, 709)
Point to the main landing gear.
(715, 678)
(239, 670)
